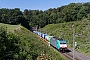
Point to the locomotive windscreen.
(63, 42)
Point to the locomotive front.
(63, 45)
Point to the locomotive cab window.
(62, 43)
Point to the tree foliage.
(13, 16)
(14, 47)
(67, 13)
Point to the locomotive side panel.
(53, 42)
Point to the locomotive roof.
(58, 38)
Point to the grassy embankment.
(82, 33)
(36, 44)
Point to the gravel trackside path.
(77, 55)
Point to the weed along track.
(67, 53)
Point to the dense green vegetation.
(23, 45)
(13, 16)
(82, 33)
(67, 13)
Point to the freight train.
(58, 43)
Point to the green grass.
(33, 42)
(10, 27)
(82, 33)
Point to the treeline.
(13, 16)
(67, 13)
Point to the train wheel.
(59, 50)
(63, 50)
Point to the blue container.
(41, 34)
(44, 35)
(36, 32)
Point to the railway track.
(70, 57)
(69, 53)
(77, 56)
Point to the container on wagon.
(49, 38)
(41, 34)
(35, 32)
(44, 35)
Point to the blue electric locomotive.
(60, 44)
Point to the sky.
(36, 4)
